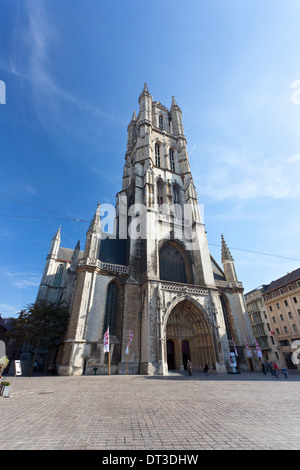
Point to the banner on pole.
(249, 353)
(106, 341)
(234, 347)
(258, 350)
(232, 360)
(129, 341)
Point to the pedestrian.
(189, 367)
(284, 372)
(263, 368)
(276, 370)
(206, 368)
(270, 367)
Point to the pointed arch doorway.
(188, 336)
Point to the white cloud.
(22, 280)
(294, 158)
(31, 60)
(242, 175)
(25, 280)
(8, 310)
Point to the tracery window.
(111, 308)
(157, 155)
(58, 276)
(171, 265)
(171, 159)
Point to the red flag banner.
(129, 341)
(249, 353)
(106, 341)
(258, 350)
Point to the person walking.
(263, 368)
(189, 367)
(276, 370)
(284, 372)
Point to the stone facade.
(282, 301)
(261, 325)
(154, 274)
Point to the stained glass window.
(58, 276)
(171, 265)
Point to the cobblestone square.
(203, 412)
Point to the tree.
(40, 324)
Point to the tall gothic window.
(161, 122)
(157, 155)
(171, 265)
(160, 193)
(111, 308)
(58, 276)
(176, 201)
(172, 161)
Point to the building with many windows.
(153, 275)
(282, 301)
(260, 323)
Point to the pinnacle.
(226, 255)
(174, 101)
(95, 225)
(145, 89)
(57, 235)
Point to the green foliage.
(4, 362)
(5, 384)
(42, 323)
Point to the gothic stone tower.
(154, 275)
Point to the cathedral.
(152, 282)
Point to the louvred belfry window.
(172, 161)
(157, 155)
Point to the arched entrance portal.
(188, 336)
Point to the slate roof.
(283, 281)
(113, 250)
(217, 271)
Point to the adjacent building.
(261, 325)
(282, 301)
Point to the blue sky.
(73, 72)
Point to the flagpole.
(108, 362)
(127, 361)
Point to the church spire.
(55, 243)
(95, 225)
(93, 236)
(176, 116)
(228, 263)
(226, 255)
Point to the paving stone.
(211, 412)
